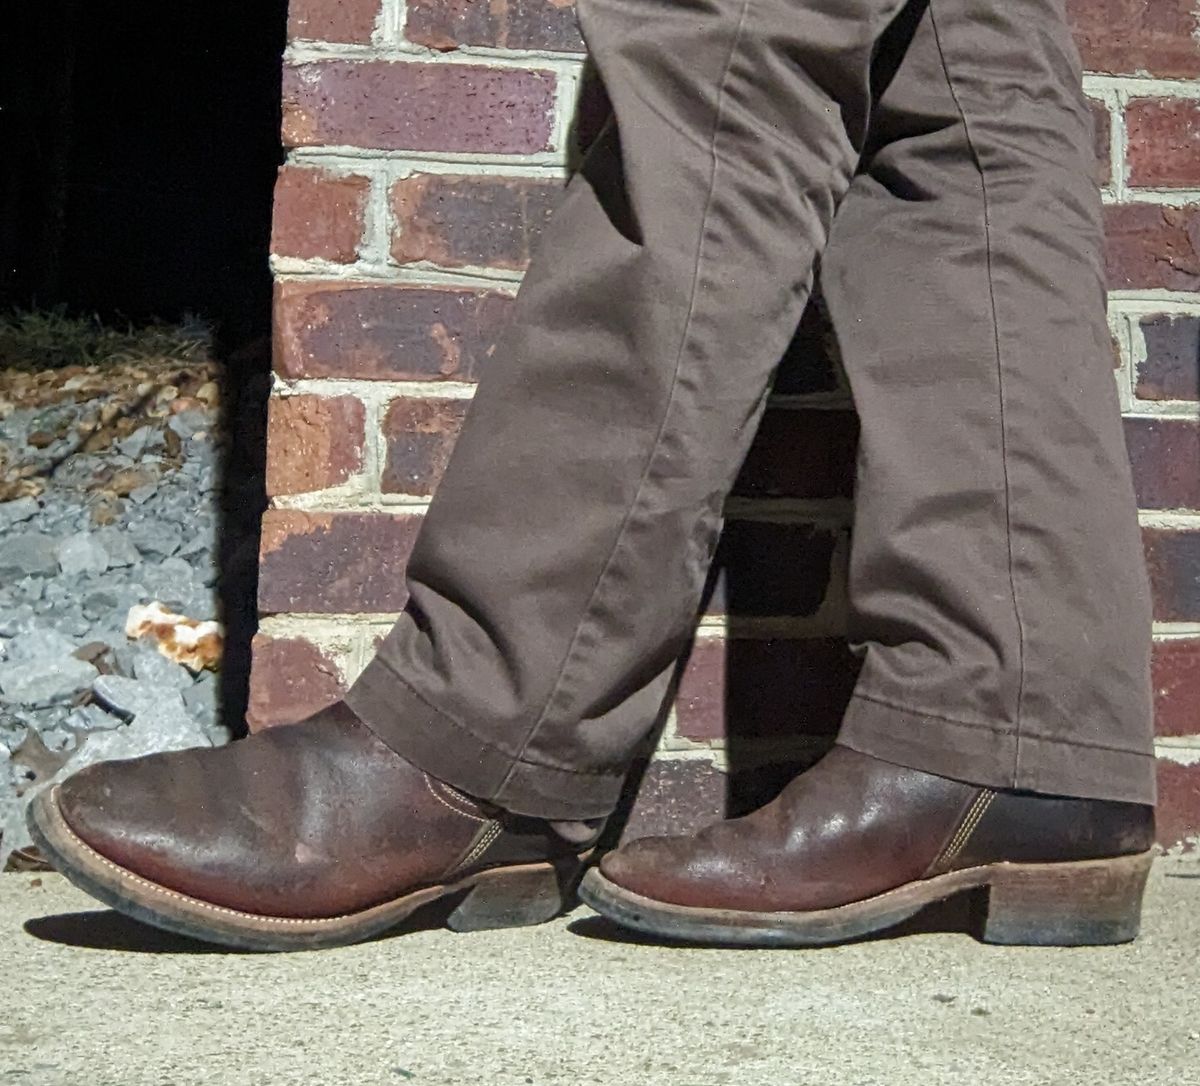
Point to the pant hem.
(422, 734)
(985, 755)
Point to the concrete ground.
(90, 999)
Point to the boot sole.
(514, 896)
(1088, 903)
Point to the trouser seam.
(685, 339)
(999, 727)
(1002, 404)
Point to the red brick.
(1152, 247)
(765, 689)
(385, 332)
(409, 106)
(459, 221)
(1178, 805)
(1129, 37)
(350, 21)
(770, 569)
(289, 679)
(1163, 137)
(1165, 454)
(1171, 368)
(1102, 126)
(1173, 559)
(513, 24)
(319, 215)
(328, 563)
(420, 435)
(801, 454)
(313, 442)
(1177, 686)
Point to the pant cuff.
(424, 735)
(994, 757)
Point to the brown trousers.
(937, 157)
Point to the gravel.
(113, 504)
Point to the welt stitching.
(969, 826)
(447, 805)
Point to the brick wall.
(428, 145)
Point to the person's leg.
(997, 586)
(560, 566)
(557, 576)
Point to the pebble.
(39, 681)
(29, 553)
(82, 553)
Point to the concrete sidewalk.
(90, 999)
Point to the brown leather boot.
(306, 836)
(856, 845)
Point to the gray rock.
(17, 510)
(91, 718)
(28, 554)
(121, 552)
(156, 539)
(16, 621)
(40, 681)
(152, 666)
(101, 602)
(40, 644)
(202, 697)
(135, 697)
(82, 553)
(139, 495)
(186, 423)
(141, 441)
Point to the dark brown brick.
(420, 435)
(318, 214)
(766, 569)
(1178, 805)
(1177, 686)
(350, 21)
(811, 361)
(765, 689)
(1165, 454)
(1152, 247)
(512, 24)
(1163, 134)
(403, 105)
(676, 796)
(313, 442)
(1102, 126)
(325, 563)
(1130, 37)
(801, 454)
(385, 332)
(289, 679)
(1171, 369)
(458, 221)
(1173, 559)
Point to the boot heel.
(1090, 903)
(517, 898)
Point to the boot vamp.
(313, 819)
(848, 829)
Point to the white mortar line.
(554, 62)
(1169, 519)
(1176, 631)
(1139, 86)
(381, 392)
(1181, 755)
(420, 273)
(1162, 197)
(350, 157)
(1183, 410)
(1182, 305)
(1155, 300)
